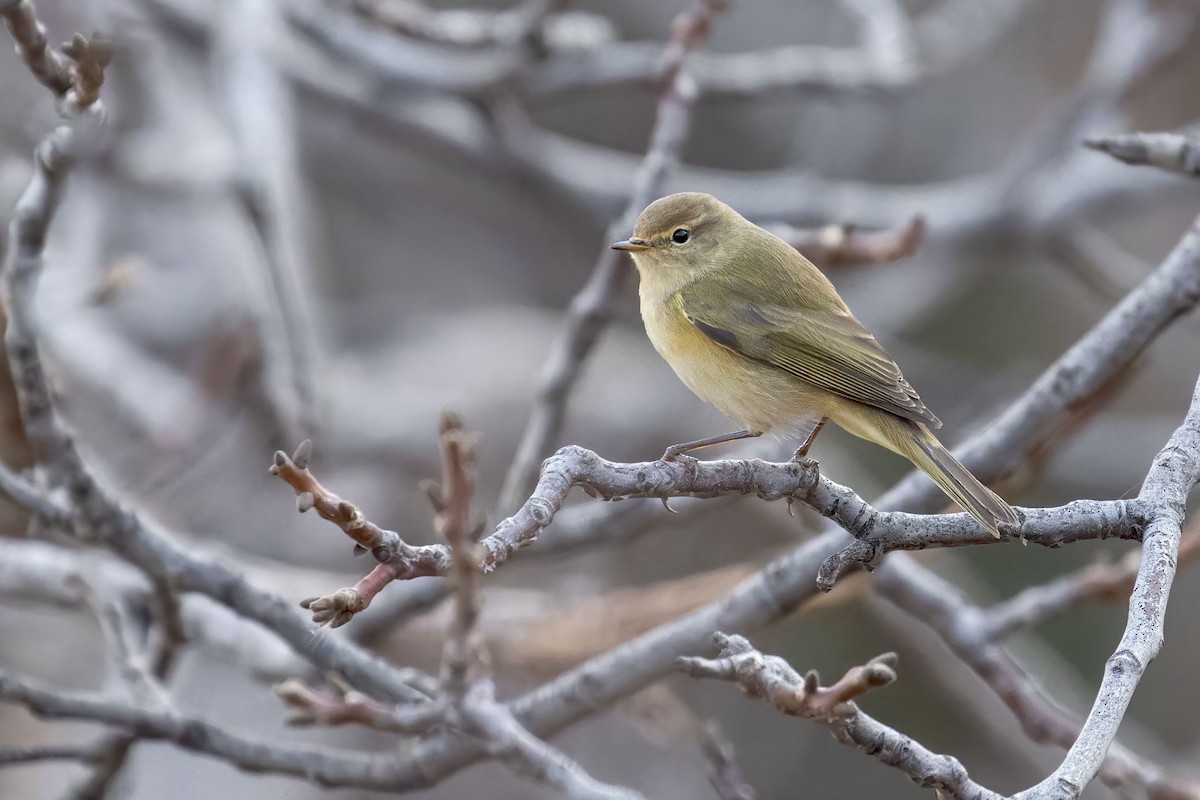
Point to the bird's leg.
(676, 450)
(802, 451)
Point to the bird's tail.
(927, 453)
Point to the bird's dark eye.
(680, 235)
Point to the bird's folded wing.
(829, 349)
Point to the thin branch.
(260, 115)
(465, 662)
(325, 767)
(343, 705)
(51, 68)
(1103, 582)
(33, 755)
(476, 28)
(1174, 152)
(723, 771)
(773, 679)
(590, 309)
(143, 668)
(467, 687)
(837, 246)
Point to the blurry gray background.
(433, 270)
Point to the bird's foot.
(810, 466)
(801, 456)
(677, 453)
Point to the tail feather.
(957, 481)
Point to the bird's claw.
(667, 505)
(675, 453)
(801, 455)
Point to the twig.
(723, 771)
(77, 71)
(464, 660)
(590, 309)
(144, 671)
(259, 110)
(1103, 582)
(33, 755)
(773, 679)
(477, 28)
(1174, 152)
(835, 246)
(343, 705)
(326, 767)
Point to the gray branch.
(774, 680)
(1174, 152)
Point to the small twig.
(1174, 152)
(466, 700)
(78, 69)
(397, 559)
(477, 28)
(465, 661)
(773, 679)
(259, 110)
(1100, 582)
(32, 755)
(343, 705)
(723, 771)
(835, 246)
(51, 68)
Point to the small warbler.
(754, 328)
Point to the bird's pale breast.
(756, 396)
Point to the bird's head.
(681, 235)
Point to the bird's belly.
(755, 396)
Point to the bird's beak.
(630, 245)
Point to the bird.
(755, 329)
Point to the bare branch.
(1103, 582)
(773, 679)
(343, 705)
(465, 662)
(326, 767)
(723, 771)
(51, 68)
(1174, 152)
(836, 246)
(477, 28)
(258, 106)
(32, 755)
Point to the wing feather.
(829, 349)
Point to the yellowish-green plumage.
(754, 328)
